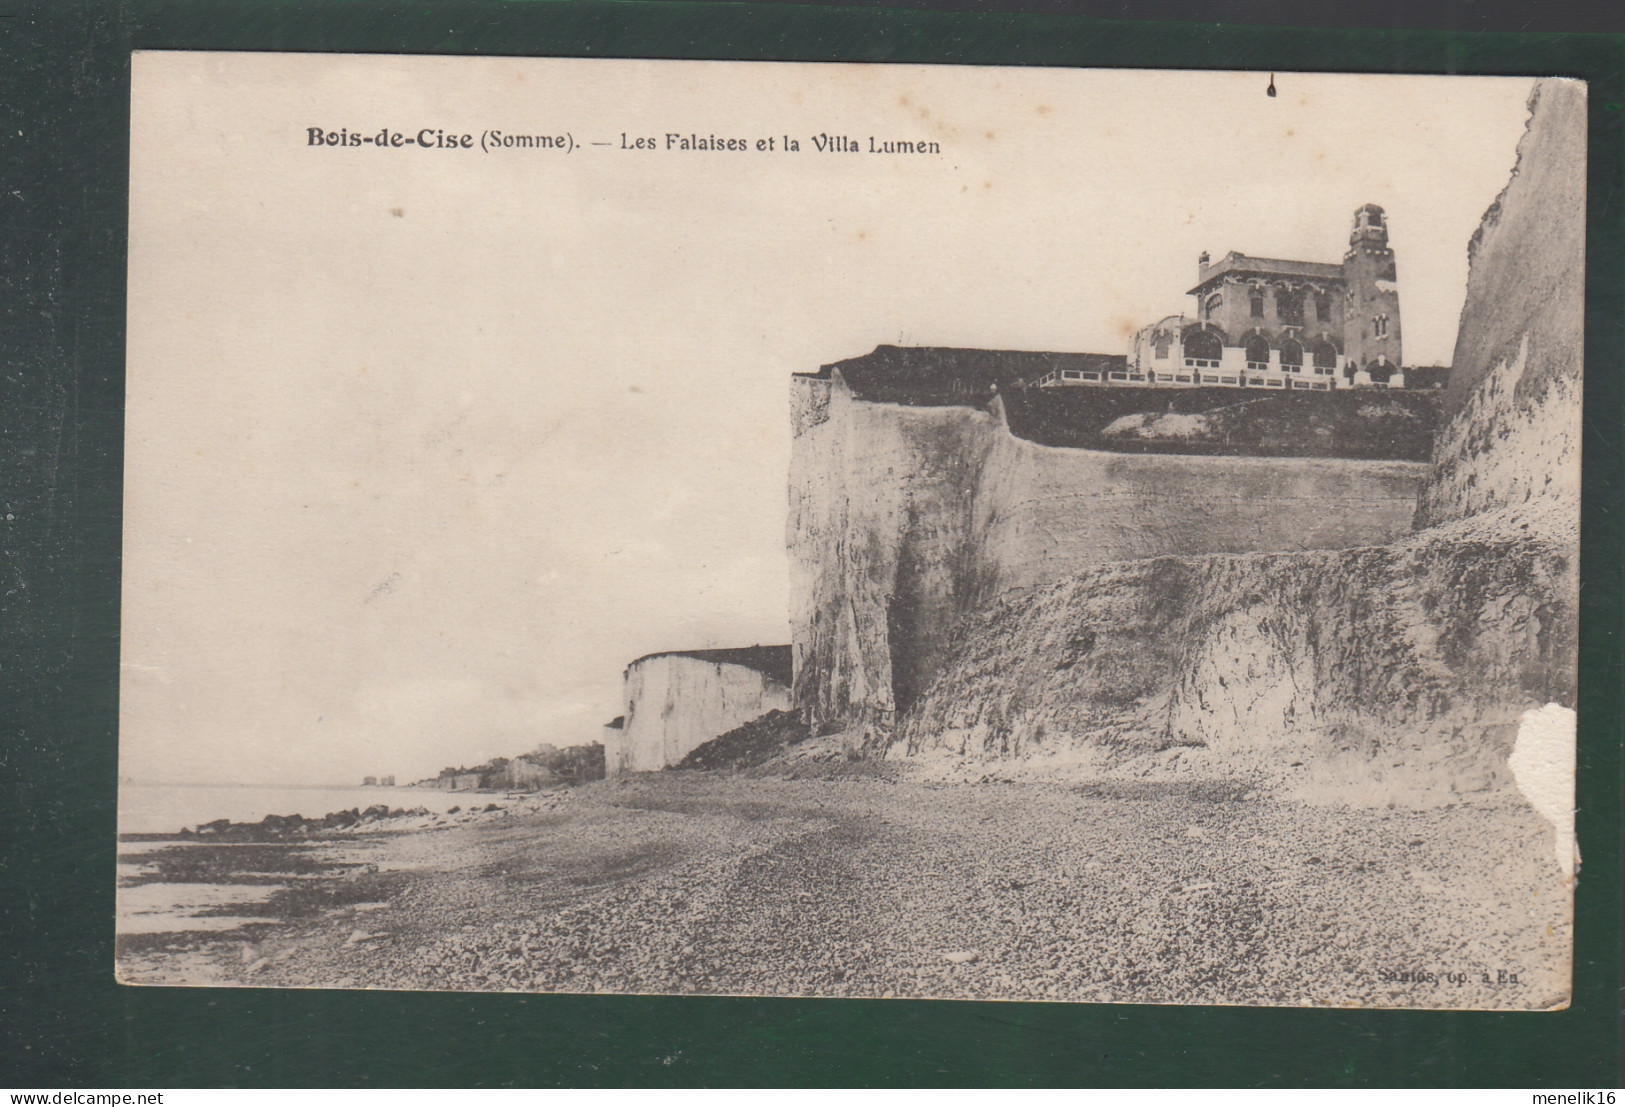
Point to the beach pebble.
(960, 957)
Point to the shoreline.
(878, 883)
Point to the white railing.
(1258, 374)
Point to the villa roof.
(1237, 264)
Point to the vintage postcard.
(851, 530)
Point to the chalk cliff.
(1513, 430)
(676, 702)
(906, 518)
(1431, 647)
(613, 739)
(1412, 659)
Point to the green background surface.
(64, 90)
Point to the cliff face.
(1432, 647)
(676, 702)
(1513, 430)
(1420, 656)
(880, 542)
(613, 739)
(1042, 512)
(903, 520)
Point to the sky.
(425, 444)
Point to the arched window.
(1325, 358)
(1379, 326)
(1203, 350)
(1380, 371)
(1212, 304)
(1291, 355)
(1290, 305)
(1258, 352)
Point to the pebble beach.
(820, 877)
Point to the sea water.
(167, 808)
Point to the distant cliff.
(676, 702)
(905, 518)
(1414, 659)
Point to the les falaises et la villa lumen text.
(495, 141)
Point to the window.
(1071, 375)
(1323, 309)
(1202, 346)
(1258, 352)
(1290, 305)
(1291, 355)
(1212, 304)
(1379, 326)
(1258, 304)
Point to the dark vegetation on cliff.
(937, 376)
(1369, 424)
(1364, 424)
(773, 662)
(749, 744)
